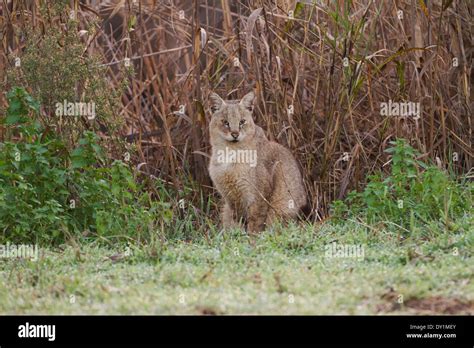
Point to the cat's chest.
(233, 162)
(231, 173)
(234, 181)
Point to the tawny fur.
(256, 193)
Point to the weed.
(414, 193)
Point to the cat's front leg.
(257, 214)
(227, 215)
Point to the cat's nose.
(235, 134)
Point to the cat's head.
(232, 120)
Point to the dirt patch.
(443, 305)
(208, 311)
(428, 305)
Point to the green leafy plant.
(413, 193)
(49, 194)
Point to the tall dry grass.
(324, 107)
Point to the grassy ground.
(287, 271)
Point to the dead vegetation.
(320, 71)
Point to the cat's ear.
(247, 101)
(216, 102)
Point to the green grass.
(284, 271)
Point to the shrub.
(49, 194)
(54, 68)
(413, 193)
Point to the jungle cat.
(259, 180)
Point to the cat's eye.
(242, 122)
(226, 123)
